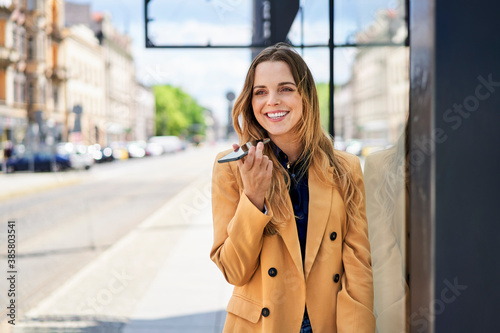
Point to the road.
(61, 230)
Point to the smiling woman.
(290, 229)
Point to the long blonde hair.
(317, 144)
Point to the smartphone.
(242, 151)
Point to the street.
(62, 230)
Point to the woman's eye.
(287, 89)
(259, 92)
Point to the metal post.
(147, 42)
(331, 128)
(301, 8)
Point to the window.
(31, 93)
(16, 88)
(55, 96)
(22, 97)
(22, 36)
(41, 47)
(14, 36)
(42, 91)
(31, 48)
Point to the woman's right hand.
(256, 171)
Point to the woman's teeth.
(276, 115)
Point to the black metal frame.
(331, 45)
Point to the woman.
(290, 228)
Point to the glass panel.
(200, 22)
(372, 95)
(228, 22)
(371, 109)
(369, 21)
(311, 26)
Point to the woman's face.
(276, 102)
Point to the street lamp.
(230, 98)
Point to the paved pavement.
(18, 184)
(158, 278)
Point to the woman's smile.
(277, 115)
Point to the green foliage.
(324, 104)
(177, 113)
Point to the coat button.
(272, 272)
(265, 312)
(333, 236)
(336, 278)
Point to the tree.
(324, 103)
(177, 113)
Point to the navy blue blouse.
(299, 195)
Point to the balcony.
(55, 33)
(8, 56)
(57, 73)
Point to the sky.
(208, 74)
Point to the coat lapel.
(290, 236)
(320, 201)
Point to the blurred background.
(109, 132)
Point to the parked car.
(101, 154)
(154, 149)
(78, 155)
(136, 149)
(120, 151)
(107, 155)
(354, 147)
(169, 143)
(44, 161)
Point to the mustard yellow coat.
(272, 285)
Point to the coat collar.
(320, 200)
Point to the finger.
(264, 162)
(259, 153)
(250, 158)
(269, 169)
(236, 146)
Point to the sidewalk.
(158, 278)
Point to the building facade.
(45, 71)
(377, 95)
(84, 86)
(13, 111)
(343, 115)
(119, 74)
(144, 122)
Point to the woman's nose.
(273, 100)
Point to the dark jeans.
(306, 325)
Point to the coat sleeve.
(355, 299)
(238, 226)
